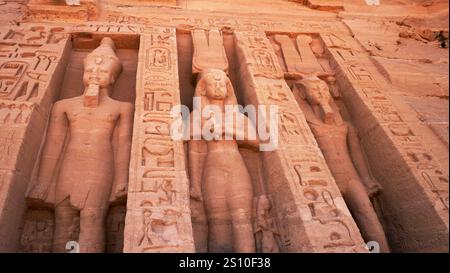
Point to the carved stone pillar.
(309, 208)
(32, 63)
(158, 215)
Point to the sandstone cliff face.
(361, 89)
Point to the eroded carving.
(339, 143)
(267, 236)
(91, 175)
(209, 51)
(225, 184)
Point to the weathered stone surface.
(360, 150)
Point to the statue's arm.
(305, 107)
(122, 157)
(195, 125)
(53, 146)
(251, 139)
(360, 163)
(197, 155)
(310, 116)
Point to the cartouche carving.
(91, 175)
(340, 145)
(224, 182)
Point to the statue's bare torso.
(89, 151)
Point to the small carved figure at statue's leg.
(365, 216)
(241, 218)
(92, 230)
(65, 216)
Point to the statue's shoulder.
(69, 100)
(65, 103)
(125, 106)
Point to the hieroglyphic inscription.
(30, 73)
(324, 205)
(15, 112)
(223, 22)
(28, 56)
(158, 185)
(261, 60)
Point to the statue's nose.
(219, 87)
(95, 70)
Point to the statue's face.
(216, 87)
(317, 92)
(98, 70)
(264, 204)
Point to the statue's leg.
(93, 230)
(241, 218)
(65, 216)
(359, 204)
(220, 236)
(199, 226)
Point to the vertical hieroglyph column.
(158, 215)
(32, 63)
(310, 210)
(415, 194)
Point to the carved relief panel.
(316, 92)
(337, 127)
(335, 64)
(296, 169)
(158, 216)
(32, 57)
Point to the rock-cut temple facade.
(224, 126)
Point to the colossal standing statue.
(340, 145)
(224, 182)
(80, 140)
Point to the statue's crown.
(106, 47)
(107, 52)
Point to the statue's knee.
(218, 218)
(92, 217)
(241, 216)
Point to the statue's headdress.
(106, 52)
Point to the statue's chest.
(92, 116)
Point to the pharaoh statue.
(93, 169)
(219, 176)
(340, 146)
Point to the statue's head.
(147, 213)
(315, 90)
(317, 93)
(264, 203)
(102, 66)
(214, 84)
